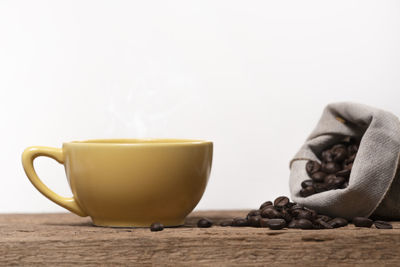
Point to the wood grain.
(66, 239)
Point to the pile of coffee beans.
(285, 214)
(334, 170)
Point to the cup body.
(132, 182)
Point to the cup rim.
(139, 142)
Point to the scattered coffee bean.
(276, 224)
(290, 205)
(321, 224)
(286, 216)
(296, 207)
(265, 204)
(382, 225)
(304, 224)
(226, 223)
(204, 223)
(362, 222)
(304, 214)
(295, 213)
(264, 222)
(281, 202)
(293, 224)
(313, 213)
(324, 218)
(240, 222)
(270, 213)
(155, 227)
(254, 221)
(253, 213)
(338, 222)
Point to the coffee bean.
(304, 214)
(295, 207)
(308, 191)
(338, 146)
(348, 166)
(286, 216)
(292, 224)
(313, 213)
(382, 225)
(335, 182)
(254, 221)
(290, 205)
(226, 223)
(330, 167)
(339, 154)
(362, 222)
(320, 187)
(270, 213)
(265, 204)
(296, 212)
(316, 225)
(330, 182)
(306, 183)
(321, 224)
(352, 149)
(155, 227)
(281, 202)
(345, 173)
(318, 177)
(276, 224)
(312, 166)
(329, 178)
(204, 223)
(338, 222)
(304, 224)
(264, 222)
(327, 156)
(240, 222)
(324, 218)
(293, 215)
(253, 213)
(342, 144)
(350, 159)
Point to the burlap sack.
(374, 185)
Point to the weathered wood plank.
(66, 239)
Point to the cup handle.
(28, 156)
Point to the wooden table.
(66, 239)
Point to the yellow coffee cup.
(129, 182)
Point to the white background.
(252, 76)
